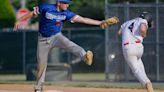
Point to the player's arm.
(119, 31)
(143, 30)
(27, 16)
(103, 24)
(85, 20)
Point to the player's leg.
(149, 87)
(147, 84)
(130, 55)
(70, 46)
(137, 69)
(42, 57)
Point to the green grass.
(79, 80)
(88, 76)
(12, 77)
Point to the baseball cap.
(64, 1)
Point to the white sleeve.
(36, 10)
(144, 21)
(74, 18)
(123, 25)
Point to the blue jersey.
(51, 20)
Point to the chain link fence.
(105, 44)
(153, 45)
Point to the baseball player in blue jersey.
(52, 17)
(133, 32)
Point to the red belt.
(138, 41)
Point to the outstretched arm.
(27, 16)
(84, 20)
(103, 24)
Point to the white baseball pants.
(132, 53)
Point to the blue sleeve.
(70, 15)
(43, 8)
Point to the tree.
(133, 1)
(87, 8)
(7, 16)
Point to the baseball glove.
(108, 22)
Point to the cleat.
(149, 87)
(89, 57)
(67, 65)
(38, 91)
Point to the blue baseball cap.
(64, 1)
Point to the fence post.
(106, 44)
(157, 39)
(24, 50)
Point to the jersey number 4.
(131, 27)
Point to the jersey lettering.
(58, 17)
(131, 27)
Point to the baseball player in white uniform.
(133, 32)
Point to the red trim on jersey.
(127, 43)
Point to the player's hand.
(108, 22)
(16, 26)
(119, 32)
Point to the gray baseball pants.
(45, 44)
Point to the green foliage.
(92, 9)
(29, 4)
(132, 1)
(16, 4)
(7, 16)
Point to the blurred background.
(18, 49)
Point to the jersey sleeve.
(36, 10)
(70, 15)
(40, 9)
(143, 21)
(123, 25)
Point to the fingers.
(16, 26)
(117, 19)
(104, 25)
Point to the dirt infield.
(29, 88)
